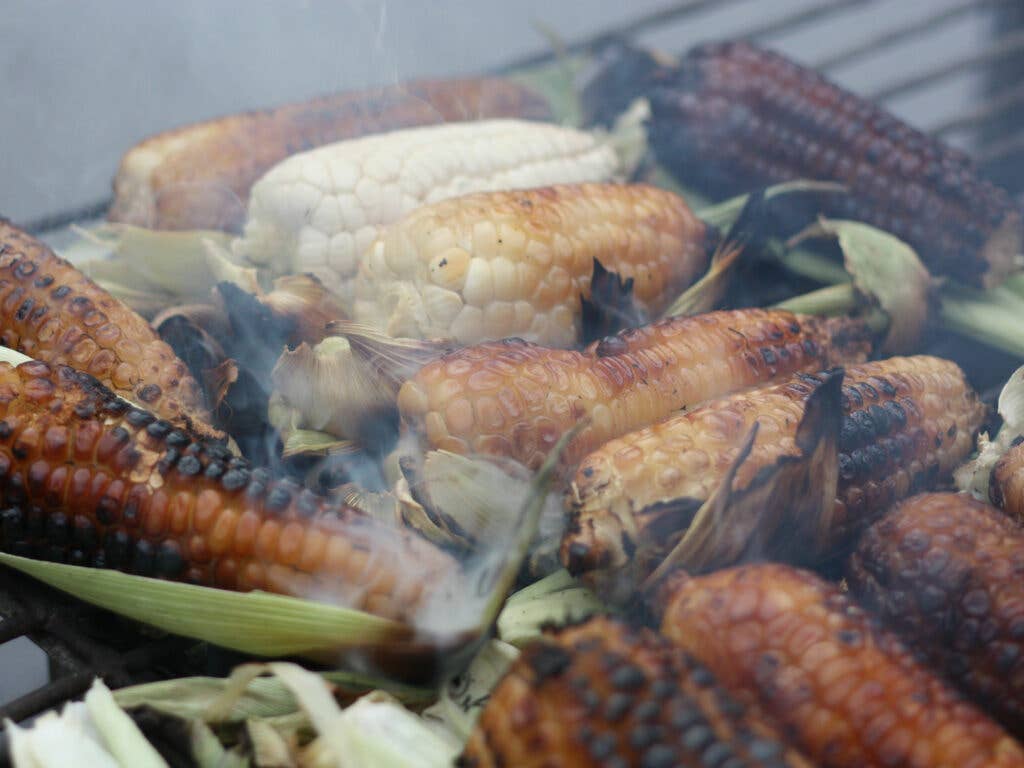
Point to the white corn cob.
(319, 211)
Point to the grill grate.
(81, 642)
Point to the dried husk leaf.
(556, 600)
(887, 272)
(974, 476)
(56, 740)
(306, 301)
(725, 214)
(258, 623)
(121, 735)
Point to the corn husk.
(556, 600)
(724, 215)
(344, 385)
(886, 272)
(974, 476)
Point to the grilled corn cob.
(846, 691)
(54, 313)
(908, 422)
(732, 116)
(943, 571)
(199, 176)
(1006, 489)
(605, 694)
(499, 264)
(319, 211)
(87, 478)
(513, 398)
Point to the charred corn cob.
(1006, 489)
(605, 694)
(846, 691)
(199, 176)
(733, 116)
(499, 264)
(943, 571)
(319, 211)
(908, 422)
(54, 313)
(87, 478)
(513, 398)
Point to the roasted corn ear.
(319, 211)
(605, 694)
(733, 116)
(513, 398)
(199, 176)
(943, 571)
(907, 423)
(87, 478)
(1006, 488)
(54, 313)
(846, 692)
(517, 263)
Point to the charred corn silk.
(944, 572)
(606, 694)
(513, 398)
(733, 116)
(88, 479)
(845, 690)
(54, 313)
(498, 264)
(319, 211)
(908, 422)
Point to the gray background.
(82, 81)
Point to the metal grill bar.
(985, 111)
(802, 18)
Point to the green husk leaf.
(723, 215)
(150, 269)
(974, 476)
(556, 82)
(463, 696)
(887, 272)
(555, 600)
(259, 623)
(704, 295)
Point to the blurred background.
(84, 81)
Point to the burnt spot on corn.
(618, 696)
(732, 117)
(944, 572)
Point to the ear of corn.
(733, 116)
(846, 691)
(908, 422)
(604, 694)
(512, 398)
(943, 571)
(91, 480)
(319, 211)
(518, 263)
(55, 314)
(199, 176)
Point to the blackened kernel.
(277, 498)
(23, 268)
(44, 282)
(60, 291)
(702, 677)
(885, 386)
(644, 735)
(602, 746)
(177, 439)
(168, 460)
(662, 688)
(21, 549)
(20, 450)
(646, 710)
(54, 553)
(617, 706)
(876, 457)
(130, 512)
(78, 557)
(139, 418)
(85, 409)
(768, 354)
(35, 523)
(255, 491)
(189, 465)
(659, 756)
(84, 533)
(261, 475)
(22, 312)
(150, 393)
(214, 470)
(38, 312)
(810, 348)
(880, 417)
(217, 451)
(5, 430)
(16, 488)
(159, 429)
(696, 737)
(864, 424)
(144, 558)
(854, 397)
(237, 463)
(117, 546)
(307, 503)
(120, 435)
(590, 701)
(849, 637)
(169, 562)
(762, 749)
(193, 449)
(115, 406)
(716, 755)
(99, 559)
(234, 479)
(868, 390)
(548, 660)
(628, 677)
(58, 531)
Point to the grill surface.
(954, 67)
